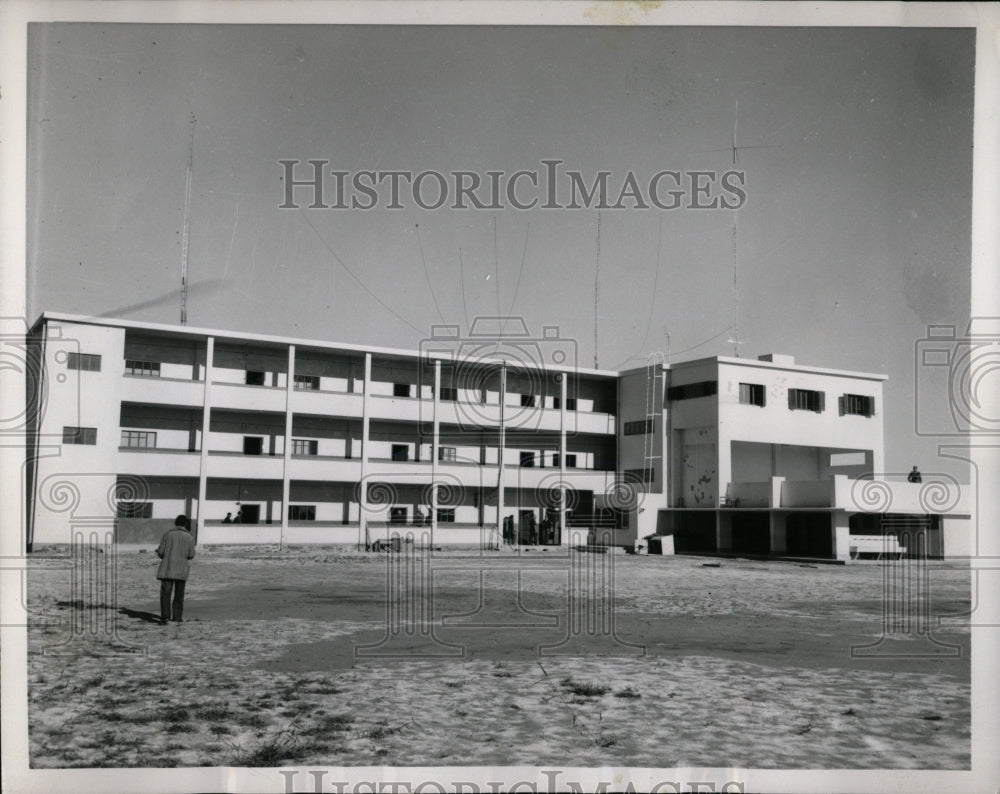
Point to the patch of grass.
(582, 689)
(271, 752)
(215, 712)
(382, 731)
(335, 723)
(175, 715)
(180, 727)
(250, 720)
(221, 730)
(627, 693)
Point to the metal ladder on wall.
(654, 388)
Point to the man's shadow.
(148, 617)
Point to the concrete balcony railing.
(164, 391)
(152, 462)
(241, 396)
(324, 468)
(471, 414)
(327, 403)
(235, 465)
(872, 495)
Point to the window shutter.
(820, 402)
(791, 399)
(763, 396)
(841, 402)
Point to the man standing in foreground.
(175, 550)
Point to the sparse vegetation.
(584, 689)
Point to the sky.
(855, 145)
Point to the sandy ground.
(337, 658)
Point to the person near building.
(176, 550)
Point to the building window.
(79, 435)
(446, 515)
(857, 404)
(253, 445)
(570, 403)
(527, 459)
(83, 361)
(447, 453)
(401, 390)
(135, 510)
(689, 391)
(570, 460)
(806, 400)
(305, 446)
(397, 515)
(400, 452)
(139, 438)
(449, 394)
(148, 369)
(753, 394)
(254, 378)
(527, 400)
(307, 382)
(301, 512)
(639, 428)
(644, 476)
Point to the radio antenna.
(185, 236)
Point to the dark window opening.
(254, 378)
(301, 512)
(253, 445)
(527, 459)
(527, 400)
(642, 427)
(857, 405)
(83, 361)
(690, 391)
(80, 435)
(307, 382)
(806, 400)
(401, 390)
(400, 452)
(752, 394)
(446, 515)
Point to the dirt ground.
(338, 658)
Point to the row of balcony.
(178, 463)
(323, 403)
(853, 495)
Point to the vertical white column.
(563, 540)
(285, 482)
(503, 441)
(206, 416)
(365, 421)
(435, 446)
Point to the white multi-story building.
(475, 441)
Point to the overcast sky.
(856, 146)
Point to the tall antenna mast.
(736, 216)
(597, 284)
(187, 224)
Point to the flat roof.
(198, 333)
(753, 362)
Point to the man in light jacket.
(175, 550)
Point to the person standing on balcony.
(176, 550)
(914, 476)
